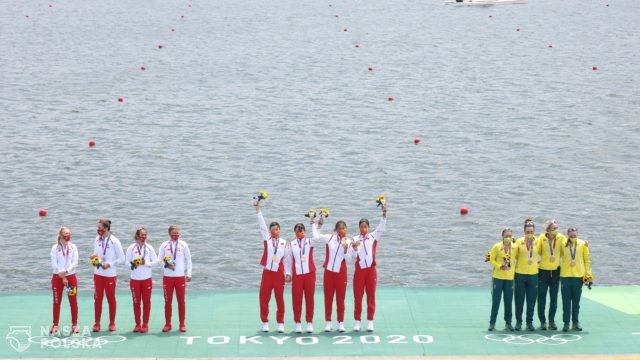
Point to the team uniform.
(549, 276)
(575, 264)
(175, 280)
(141, 282)
(365, 276)
(335, 275)
(502, 281)
(303, 280)
(276, 252)
(64, 258)
(526, 279)
(109, 250)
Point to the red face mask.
(342, 232)
(101, 232)
(142, 238)
(175, 237)
(275, 233)
(66, 237)
(364, 232)
(300, 235)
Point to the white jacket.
(64, 258)
(145, 252)
(109, 250)
(181, 256)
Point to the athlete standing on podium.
(108, 250)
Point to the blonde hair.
(62, 228)
(548, 223)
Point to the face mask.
(507, 239)
(342, 232)
(573, 237)
(66, 237)
(364, 232)
(300, 235)
(275, 233)
(553, 232)
(142, 238)
(101, 232)
(530, 236)
(175, 237)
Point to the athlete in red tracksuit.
(335, 271)
(140, 282)
(64, 261)
(109, 250)
(363, 250)
(303, 277)
(177, 273)
(276, 252)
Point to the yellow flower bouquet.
(487, 257)
(95, 261)
(168, 261)
(380, 200)
(137, 261)
(324, 212)
(262, 195)
(587, 280)
(71, 290)
(311, 213)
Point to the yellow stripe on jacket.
(545, 251)
(582, 261)
(496, 257)
(522, 256)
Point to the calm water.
(274, 95)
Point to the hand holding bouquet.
(324, 212)
(168, 262)
(381, 201)
(71, 290)
(95, 261)
(311, 213)
(487, 257)
(587, 280)
(262, 195)
(137, 261)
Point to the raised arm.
(264, 231)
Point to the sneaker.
(280, 327)
(144, 328)
(543, 326)
(112, 327)
(166, 328)
(492, 327)
(54, 329)
(309, 327)
(508, 326)
(530, 327)
(356, 326)
(75, 329)
(137, 328)
(341, 326)
(518, 326)
(96, 327)
(552, 326)
(265, 327)
(328, 326)
(298, 328)
(183, 328)
(565, 328)
(370, 325)
(576, 327)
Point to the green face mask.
(529, 236)
(507, 239)
(553, 232)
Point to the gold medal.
(552, 259)
(274, 258)
(303, 258)
(573, 263)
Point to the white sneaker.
(280, 327)
(370, 325)
(356, 327)
(341, 326)
(265, 327)
(298, 328)
(309, 327)
(328, 327)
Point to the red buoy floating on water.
(357, 45)
(143, 68)
(549, 46)
(517, 29)
(416, 140)
(594, 68)
(390, 98)
(345, 29)
(370, 68)
(92, 143)
(42, 212)
(120, 99)
(173, 29)
(160, 46)
(464, 211)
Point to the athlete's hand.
(287, 278)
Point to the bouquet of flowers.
(168, 261)
(262, 195)
(487, 257)
(380, 200)
(95, 261)
(137, 261)
(324, 212)
(587, 280)
(311, 213)
(71, 290)
(507, 261)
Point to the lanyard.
(529, 247)
(551, 247)
(143, 253)
(62, 249)
(173, 253)
(105, 244)
(573, 252)
(274, 243)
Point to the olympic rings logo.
(76, 341)
(528, 339)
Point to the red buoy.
(550, 46)
(143, 68)
(160, 46)
(490, 16)
(42, 212)
(345, 29)
(173, 29)
(390, 98)
(50, 5)
(416, 141)
(517, 29)
(357, 45)
(120, 99)
(464, 211)
(92, 143)
(337, 16)
(594, 68)
(370, 68)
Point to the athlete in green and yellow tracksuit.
(527, 249)
(574, 266)
(502, 278)
(549, 272)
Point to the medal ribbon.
(173, 253)
(551, 247)
(573, 252)
(142, 254)
(105, 244)
(529, 245)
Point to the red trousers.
(104, 285)
(179, 284)
(141, 295)
(58, 287)
(334, 283)
(272, 281)
(303, 285)
(364, 279)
